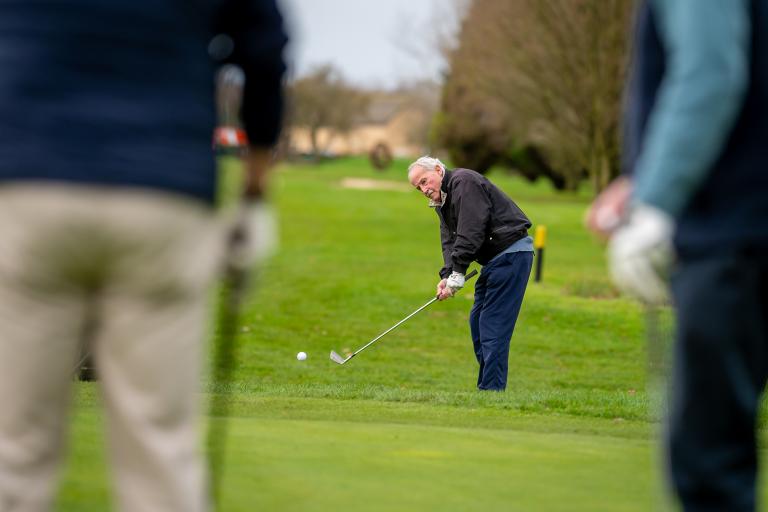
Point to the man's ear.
(439, 170)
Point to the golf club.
(336, 358)
(234, 285)
(84, 370)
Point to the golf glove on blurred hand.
(254, 235)
(640, 254)
(455, 281)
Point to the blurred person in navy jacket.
(107, 228)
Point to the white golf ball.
(301, 356)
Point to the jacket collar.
(443, 191)
(446, 178)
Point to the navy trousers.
(499, 294)
(720, 371)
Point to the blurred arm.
(707, 44)
(257, 163)
(256, 29)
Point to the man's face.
(427, 181)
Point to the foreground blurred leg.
(721, 363)
(149, 357)
(40, 323)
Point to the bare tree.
(323, 99)
(437, 37)
(423, 99)
(550, 75)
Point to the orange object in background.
(229, 137)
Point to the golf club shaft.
(79, 364)
(467, 278)
(234, 285)
(390, 329)
(236, 281)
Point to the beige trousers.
(125, 271)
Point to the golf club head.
(336, 358)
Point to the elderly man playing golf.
(479, 222)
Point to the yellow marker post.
(539, 242)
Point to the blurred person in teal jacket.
(693, 207)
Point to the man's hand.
(608, 209)
(640, 254)
(448, 287)
(253, 236)
(443, 291)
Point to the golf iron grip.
(466, 279)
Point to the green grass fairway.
(401, 427)
(338, 464)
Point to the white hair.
(426, 162)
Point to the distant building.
(396, 119)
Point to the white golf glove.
(455, 281)
(640, 254)
(253, 236)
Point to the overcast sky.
(375, 43)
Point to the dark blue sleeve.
(257, 31)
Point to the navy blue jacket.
(120, 92)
